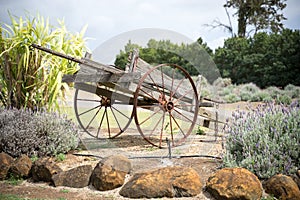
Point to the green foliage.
(258, 15)
(34, 158)
(195, 57)
(231, 93)
(31, 78)
(266, 141)
(292, 90)
(283, 99)
(200, 131)
(232, 98)
(249, 91)
(36, 133)
(60, 157)
(264, 59)
(14, 180)
(274, 92)
(11, 197)
(64, 190)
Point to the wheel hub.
(106, 102)
(169, 106)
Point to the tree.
(264, 59)
(31, 78)
(196, 57)
(260, 14)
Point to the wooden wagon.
(162, 100)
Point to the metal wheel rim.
(98, 134)
(169, 105)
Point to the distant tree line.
(196, 58)
(265, 59)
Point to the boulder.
(110, 173)
(21, 166)
(44, 168)
(296, 178)
(77, 177)
(5, 163)
(234, 183)
(165, 182)
(282, 187)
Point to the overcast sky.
(109, 18)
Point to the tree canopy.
(264, 59)
(196, 57)
(258, 14)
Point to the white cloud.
(107, 19)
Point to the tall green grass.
(31, 78)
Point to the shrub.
(266, 140)
(283, 99)
(35, 133)
(226, 90)
(264, 96)
(232, 98)
(274, 91)
(249, 91)
(222, 82)
(292, 90)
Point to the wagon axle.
(105, 101)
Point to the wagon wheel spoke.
(148, 118)
(93, 118)
(154, 83)
(100, 125)
(107, 121)
(171, 128)
(116, 119)
(152, 135)
(112, 110)
(177, 125)
(183, 116)
(89, 110)
(148, 94)
(187, 92)
(176, 89)
(172, 85)
(100, 116)
(185, 105)
(174, 98)
(161, 131)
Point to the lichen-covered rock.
(110, 172)
(282, 187)
(44, 168)
(77, 177)
(234, 183)
(296, 178)
(21, 166)
(5, 163)
(164, 182)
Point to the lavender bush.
(266, 140)
(35, 133)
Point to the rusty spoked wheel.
(100, 116)
(166, 105)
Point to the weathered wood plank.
(100, 77)
(87, 63)
(113, 95)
